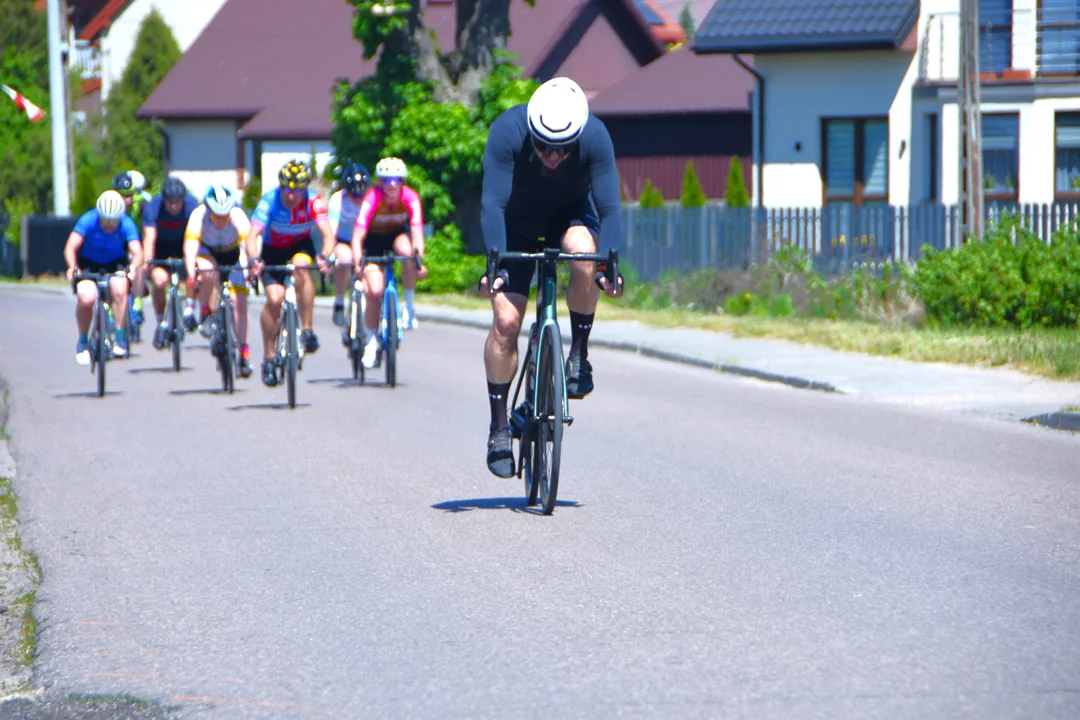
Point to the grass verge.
(1053, 354)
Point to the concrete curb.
(447, 317)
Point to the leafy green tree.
(735, 193)
(25, 147)
(131, 142)
(686, 20)
(432, 109)
(693, 195)
(86, 193)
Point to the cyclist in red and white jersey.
(343, 209)
(390, 221)
(287, 215)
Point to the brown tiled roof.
(102, 19)
(679, 82)
(242, 65)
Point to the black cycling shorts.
(379, 244)
(94, 266)
(284, 256)
(526, 240)
(225, 257)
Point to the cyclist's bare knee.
(509, 313)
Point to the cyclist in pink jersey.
(390, 221)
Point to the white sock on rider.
(410, 297)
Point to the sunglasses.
(294, 190)
(543, 149)
(391, 181)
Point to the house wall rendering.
(203, 152)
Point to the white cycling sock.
(410, 297)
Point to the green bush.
(735, 194)
(252, 194)
(1000, 282)
(16, 208)
(450, 270)
(650, 196)
(693, 195)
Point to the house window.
(1067, 154)
(1058, 38)
(995, 35)
(855, 161)
(1001, 156)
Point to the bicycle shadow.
(87, 394)
(513, 504)
(166, 369)
(268, 406)
(204, 391)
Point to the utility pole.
(58, 112)
(970, 198)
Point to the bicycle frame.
(289, 355)
(224, 330)
(175, 333)
(100, 336)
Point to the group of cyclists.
(364, 222)
(549, 180)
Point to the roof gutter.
(760, 189)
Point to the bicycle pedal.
(568, 420)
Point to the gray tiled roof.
(764, 26)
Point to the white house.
(859, 105)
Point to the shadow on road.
(167, 369)
(269, 406)
(203, 391)
(87, 394)
(513, 504)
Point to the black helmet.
(173, 189)
(294, 176)
(355, 178)
(123, 184)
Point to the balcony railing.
(86, 59)
(1014, 45)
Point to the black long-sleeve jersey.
(522, 194)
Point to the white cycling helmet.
(558, 111)
(391, 167)
(138, 182)
(220, 200)
(110, 205)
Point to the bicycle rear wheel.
(102, 348)
(551, 382)
(292, 353)
(391, 341)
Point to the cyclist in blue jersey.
(342, 210)
(104, 239)
(287, 215)
(164, 220)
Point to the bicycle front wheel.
(551, 389)
(391, 341)
(292, 353)
(226, 348)
(176, 334)
(356, 335)
(102, 348)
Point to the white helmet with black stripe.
(558, 111)
(220, 200)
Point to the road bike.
(174, 328)
(289, 351)
(223, 344)
(390, 330)
(102, 335)
(352, 335)
(537, 423)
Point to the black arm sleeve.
(604, 177)
(498, 182)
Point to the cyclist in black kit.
(549, 172)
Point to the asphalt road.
(722, 548)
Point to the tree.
(86, 193)
(650, 197)
(693, 195)
(131, 143)
(252, 194)
(25, 147)
(735, 194)
(431, 108)
(686, 20)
